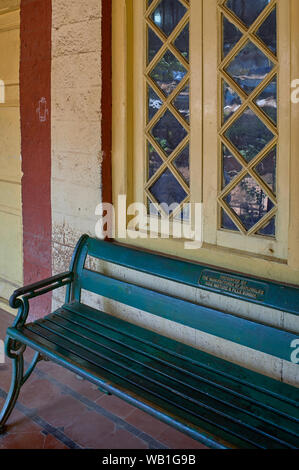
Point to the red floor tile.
(122, 439)
(116, 406)
(89, 429)
(147, 423)
(26, 440)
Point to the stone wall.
(76, 125)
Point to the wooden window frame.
(282, 263)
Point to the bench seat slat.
(170, 364)
(220, 371)
(253, 335)
(243, 429)
(237, 407)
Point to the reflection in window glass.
(266, 169)
(249, 202)
(168, 73)
(168, 14)
(231, 36)
(247, 11)
(168, 133)
(267, 31)
(249, 135)
(154, 103)
(154, 43)
(249, 68)
(181, 102)
(167, 189)
(231, 101)
(267, 100)
(182, 164)
(154, 161)
(230, 166)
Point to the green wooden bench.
(212, 400)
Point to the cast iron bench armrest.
(19, 299)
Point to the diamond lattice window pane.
(182, 164)
(182, 42)
(167, 15)
(231, 101)
(168, 132)
(227, 223)
(154, 161)
(154, 103)
(230, 166)
(181, 102)
(231, 36)
(154, 44)
(247, 10)
(269, 229)
(266, 169)
(249, 202)
(249, 68)
(267, 100)
(168, 190)
(267, 32)
(168, 73)
(249, 135)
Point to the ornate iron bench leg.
(15, 352)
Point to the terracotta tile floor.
(56, 410)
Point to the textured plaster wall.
(76, 166)
(76, 125)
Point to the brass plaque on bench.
(224, 283)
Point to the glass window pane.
(181, 102)
(168, 133)
(268, 31)
(154, 44)
(266, 169)
(167, 189)
(154, 161)
(231, 101)
(268, 229)
(249, 68)
(182, 164)
(267, 100)
(247, 10)
(227, 223)
(167, 15)
(230, 166)
(168, 73)
(182, 42)
(154, 103)
(249, 202)
(231, 36)
(249, 135)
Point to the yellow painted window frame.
(263, 257)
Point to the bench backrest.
(257, 336)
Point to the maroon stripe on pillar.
(35, 108)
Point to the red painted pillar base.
(35, 108)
